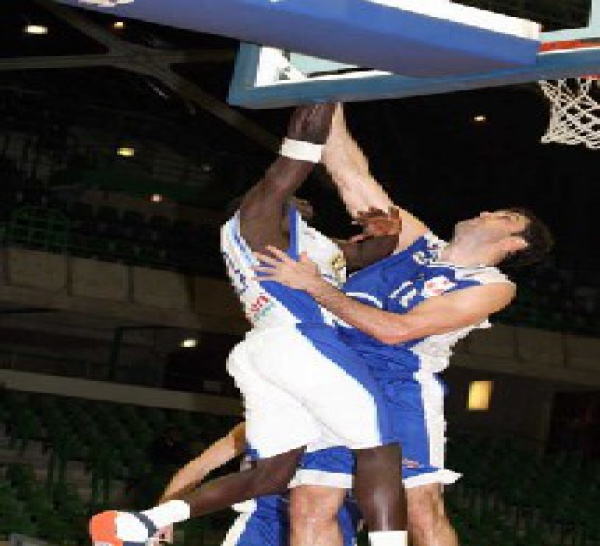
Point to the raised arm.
(349, 169)
(263, 207)
(216, 455)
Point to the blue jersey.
(401, 282)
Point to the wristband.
(301, 150)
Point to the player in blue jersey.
(300, 383)
(404, 315)
(263, 521)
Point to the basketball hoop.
(574, 106)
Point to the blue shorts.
(266, 523)
(416, 410)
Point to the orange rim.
(566, 45)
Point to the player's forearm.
(186, 478)
(278, 184)
(215, 456)
(349, 169)
(386, 327)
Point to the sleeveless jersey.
(401, 282)
(268, 304)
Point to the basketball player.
(404, 315)
(301, 385)
(263, 521)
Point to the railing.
(80, 368)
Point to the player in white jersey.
(300, 383)
(412, 308)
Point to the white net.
(574, 113)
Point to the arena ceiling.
(170, 85)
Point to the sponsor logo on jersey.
(260, 307)
(338, 266)
(436, 286)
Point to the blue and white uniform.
(407, 372)
(300, 383)
(266, 523)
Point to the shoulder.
(484, 276)
(483, 298)
(424, 249)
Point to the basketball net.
(574, 107)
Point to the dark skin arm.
(368, 251)
(377, 241)
(264, 206)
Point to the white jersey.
(266, 305)
(298, 380)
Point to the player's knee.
(425, 509)
(315, 505)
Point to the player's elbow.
(399, 331)
(388, 339)
(389, 335)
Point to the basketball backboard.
(411, 37)
(267, 77)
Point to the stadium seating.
(110, 441)
(54, 220)
(512, 493)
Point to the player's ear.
(514, 243)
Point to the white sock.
(131, 529)
(388, 538)
(170, 512)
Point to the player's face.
(494, 225)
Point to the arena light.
(189, 343)
(126, 151)
(36, 29)
(480, 395)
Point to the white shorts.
(416, 408)
(299, 391)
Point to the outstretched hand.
(378, 223)
(311, 123)
(278, 266)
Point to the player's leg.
(277, 429)
(314, 516)
(428, 524)
(418, 417)
(264, 523)
(268, 476)
(337, 389)
(335, 385)
(379, 492)
(317, 494)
